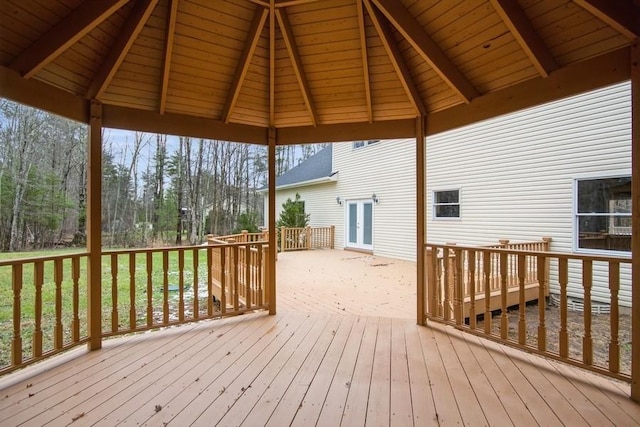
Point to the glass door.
(360, 224)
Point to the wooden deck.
(319, 364)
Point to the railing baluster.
(446, 268)
(614, 345)
(75, 275)
(149, 289)
(132, 291)
(487, 256)
(504, 272)
(58, 328)
(563, 279)
(235, 268)
(542, 285)
(209, 281)
(471, 256)
(248, 255)
(223, 278)
(458, 294)
(259, 275)
(16, 340)
(196, 303)
(522, 323)
(165, 287)
(38, 280)
(114, 292)
(181, 284)
(587, 340)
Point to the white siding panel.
(515, 173)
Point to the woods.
(157, 189)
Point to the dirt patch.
(600, 332)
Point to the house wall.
(516, 173)
(319, 202)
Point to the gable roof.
(315, 169)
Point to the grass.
(122, 294)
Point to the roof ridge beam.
(253, 36)
(131, 29)
(289, 41)
(520, 26)
(413, 32)
(621, 15)
(386, 37)
(63, 35)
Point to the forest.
(157, 190)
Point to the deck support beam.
(271, 279)
(421, 229)
(635, 218)
(93, 227)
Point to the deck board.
(306, 366)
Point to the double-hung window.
(362, 144)
(603, 214)
(446, 204)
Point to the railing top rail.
(593, 257)
(178, 248)
(42, 258)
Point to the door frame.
(359, 244)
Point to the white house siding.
(516, 173)
(319, 202)
(386, 168)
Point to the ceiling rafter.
(63, 35)
(520, 26)
(292, 48)
(128, 34)
(365, 59)
(253, 36)
(413, 32)
(622, 15)
(386, 37)
(168, 53)
(272, 62)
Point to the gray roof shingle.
(317, 166)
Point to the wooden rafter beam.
(520, 26)
(365, 59)
(67, 32)
(623, 15)
(386, 37)
(272, 62)
(168, 53)
(413, 32)
(128, 34)
(292, 48)
(259, 19)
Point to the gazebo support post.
(420, 218)
(94, 228)
(635, 218)
(271, 280)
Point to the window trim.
(575, 215)
(365, 143)
(434, 204)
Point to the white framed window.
(362, 144)
(446, 204)
(602, 214)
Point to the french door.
(360, 224)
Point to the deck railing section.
(43, 308)
(455, 273)
(305, 238)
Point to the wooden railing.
(304, 238)
(457, 275)
(142, 289)
(43, 308)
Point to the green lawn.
(122, 294)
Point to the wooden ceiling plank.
(413, 32)
(365, 59)
(63, 35)
(289, 40)
(399, 65)
(283, 3)
(520, 26)
(128, 34)
(252, 38)
(168, 53)
(622, 15)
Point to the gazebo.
(278, 72)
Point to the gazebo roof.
(316, 70)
